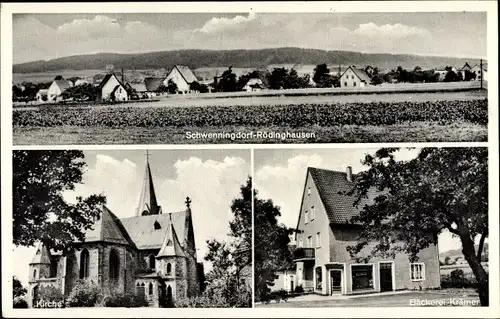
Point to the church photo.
(131, 228)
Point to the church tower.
(147, 201)
(39, 268)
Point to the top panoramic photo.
(224, 78)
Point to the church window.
(114, 265)
(84, 264)
(34, 274)
(157, 225)
(150, 288)
(152, 261)
(53, 268)
(169, 269)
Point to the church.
(152, 255)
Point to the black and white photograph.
(139, 228)
(363, 227)
(249, 77)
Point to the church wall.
(71, 273)
(193, 288)
(125, 281)
(144, 258)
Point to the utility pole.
(481, 72)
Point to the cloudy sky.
(211, 178)
(280, 175)
(48, 36)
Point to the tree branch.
(451, 230)
(481, 244)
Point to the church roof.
(42, 255)
(108, 228)
(171, 245)
(142, 228)
(147, 200)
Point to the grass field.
(431, 117)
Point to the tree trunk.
(477, 268)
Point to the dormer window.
(157, 225)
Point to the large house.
(182, 76)
(112, 89)
(481, 73)
(322, 262)
(354, 77)
(56, 89)
(152, 255)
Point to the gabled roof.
(139, 87)
(361, 74)
(108, 228)
(63, 84)
(171, 245)
(147, 200)
(116, 88)
(466, 66)
(42, 255)
(43, 91)
(186, 73)
(106, 79)
(141, 228)
(338, 207)
(153, 84)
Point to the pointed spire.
(171, 246)
(147, 201)
(42, 255)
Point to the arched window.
(150, 288)
(169, 269)
(152, 261)
(84, 264)
(34, 273)
(114, 265)
(140, 290)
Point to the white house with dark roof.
(324, 231)
(56, 88)
(354, 77)
(182, 76)
(112, 89)
(151, 255)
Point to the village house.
(42, 95)
(182, 76)
(152, 255)
(322, 262)
(112, 89)
(354, 77)
(57, 88)
(481, 73)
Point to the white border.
(402, 6)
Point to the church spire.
(147, 201)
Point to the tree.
(322, 76)
(304, 81)
(278, 78)
(271, 244)
(40, 212)
(84, 92)
(293, 80)
(17, 287)
(243, 80)
(195, 86)
(469, 76)
(227, 81)
(441, 189)
(171, 87)
(451, 76)
(58, 78)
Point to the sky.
(48, 36)
(211, 178)
(280, 175)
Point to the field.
(418, 117)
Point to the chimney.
(349, 173)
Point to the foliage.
(302, 115)
(195, 86)
(458, 279)
(84, 294)
(469, 76)
(50, 293)
(452, 76)
(322, 76)
(271, 244)
(84, 92)
(227, 81)
(40, 212)
(243, 80)
(441, 189)
(19, 302)
(299, 289)
(124, 300)
(18, 289)
(58, 78)
(27, 91)
(276, 295)
(171, 87)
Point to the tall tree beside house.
(441, 189)
(40, 212)
(227, 82)
(270, 244)
(322, 76)
(197, 87)
(171, 87)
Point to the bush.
(84, 294)
(458, 279)
(51, 293)
(299, 289)
(20, 302)
(127, 300)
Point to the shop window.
(319, 278)
(362, 277)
